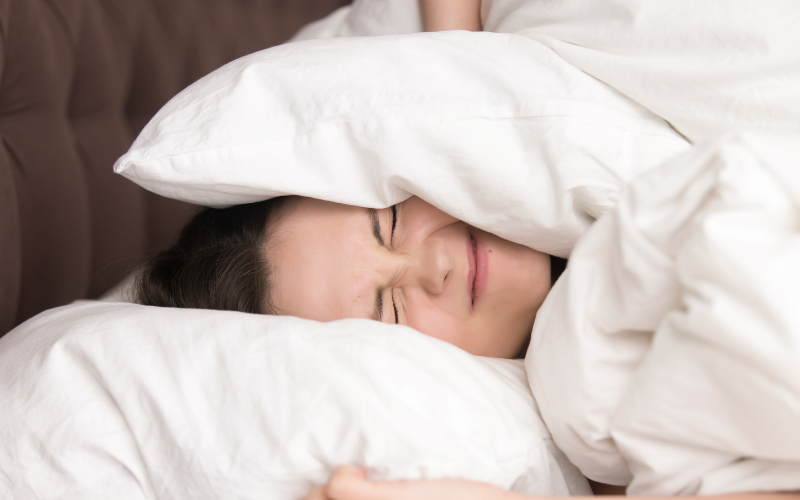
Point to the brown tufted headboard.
(78, 80)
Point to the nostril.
(445, 276)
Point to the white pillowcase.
(111, 400)
(494, 129)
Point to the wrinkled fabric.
(495, 129)
(705, 67)
(121, 401)
(667, 354)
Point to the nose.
(432, 266)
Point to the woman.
(410, 264)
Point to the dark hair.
(219, 262)
(557, 267)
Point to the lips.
(478, 268)
(473, 267)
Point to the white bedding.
(706, 67)
(492, 128)
(92, 397)
(668, 354)
(702, 252)
(120, 401)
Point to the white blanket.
(706, 67)
(669, 352)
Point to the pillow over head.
(111, 400)
(494, 129)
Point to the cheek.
(519, 281)
(522, 275)
(431, 320)
(481, 335)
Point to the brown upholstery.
(78, 80)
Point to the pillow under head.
(114, 400)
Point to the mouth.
(478, 267)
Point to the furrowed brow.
(376, 225)
(377, 314)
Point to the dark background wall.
(78, 81)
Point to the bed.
(534, 131)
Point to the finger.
(350, 483)
(317, 493)
(348, 470)
(347, 473)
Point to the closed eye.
(376, 232)
(391, 242)
(394, 223)
(396, 317)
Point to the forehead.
(318, 254)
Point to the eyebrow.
(377, 313)
(376, 225)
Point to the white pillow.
(494, 129)
(112, 400)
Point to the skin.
(328, 264)
(443, 15)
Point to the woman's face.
(411, 264)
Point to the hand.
(351, 483)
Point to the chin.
(508, 342)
